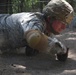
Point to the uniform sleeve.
(34, 25)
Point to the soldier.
(35, 30)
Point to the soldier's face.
(58, 26)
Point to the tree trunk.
(10, 6)
(21, 5)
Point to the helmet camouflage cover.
(61, 9)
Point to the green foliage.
(28, 5)
(15, 4)
(33, 5)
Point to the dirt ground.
(42, 64)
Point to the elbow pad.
(37, 40)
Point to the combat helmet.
(60, 9)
